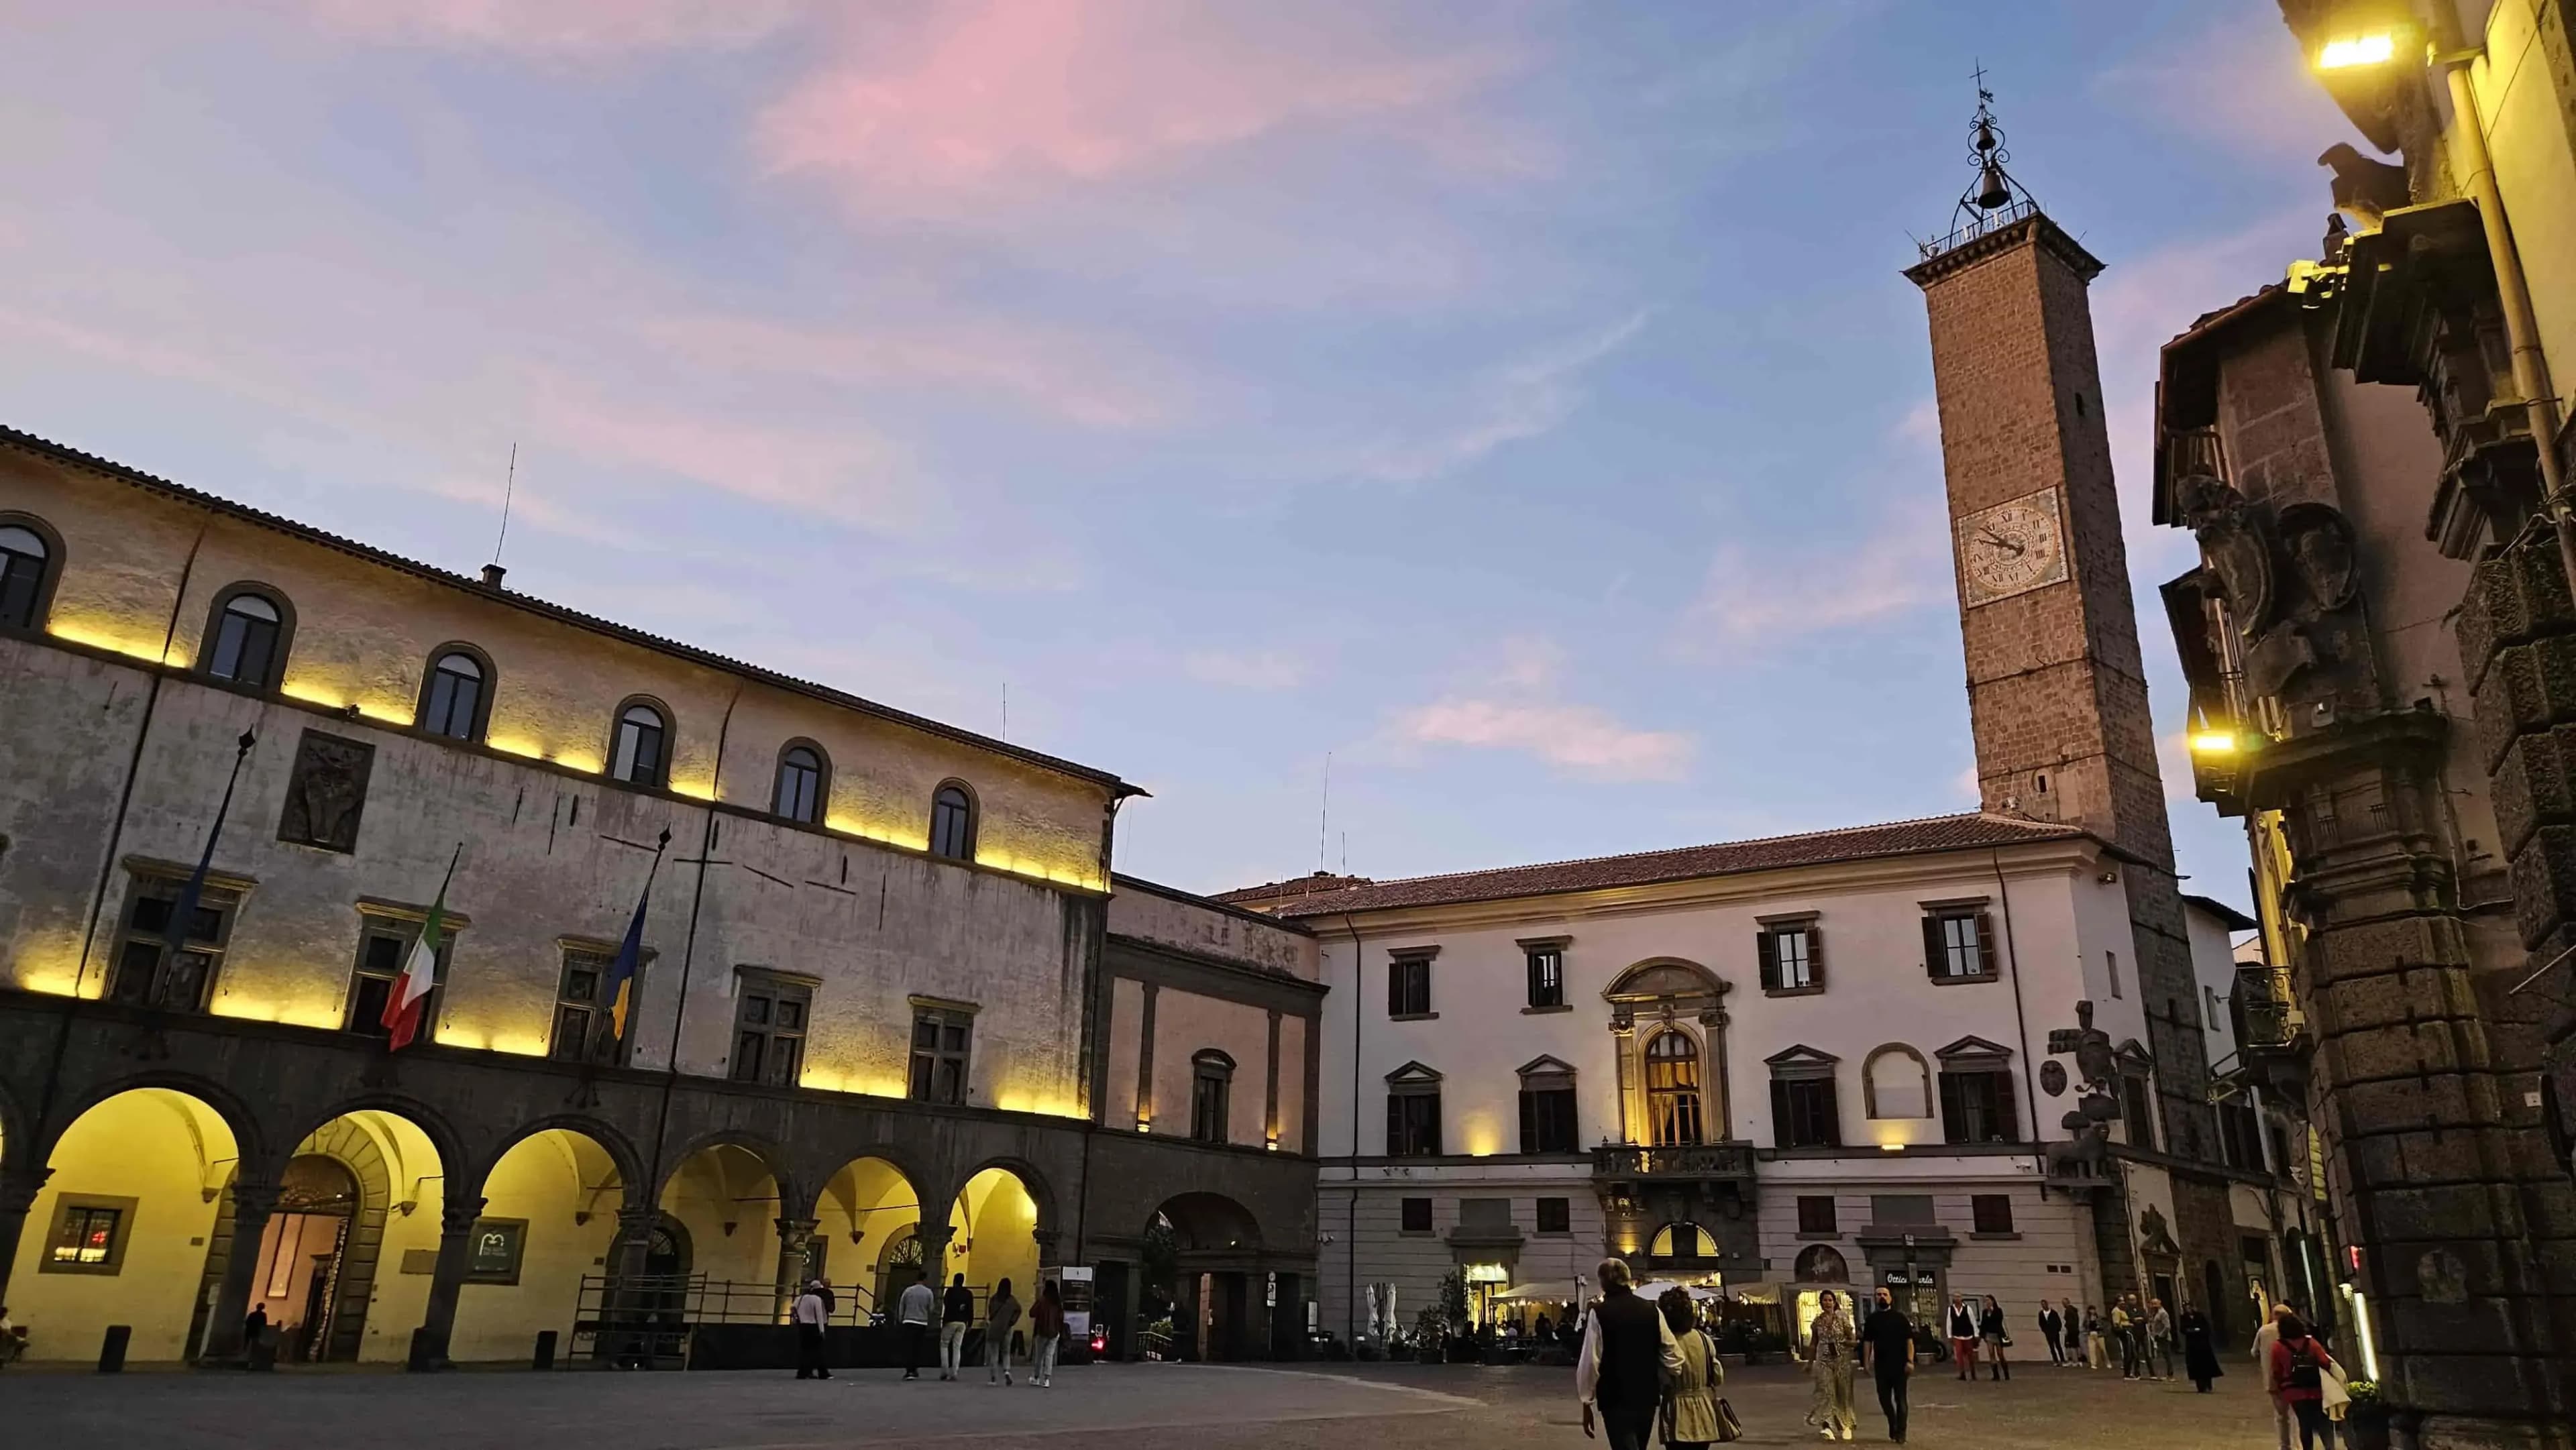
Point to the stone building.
(884, 976)
(1776, 1067)
(2372, 458)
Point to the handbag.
(2333, 1393)
(1728, 1427)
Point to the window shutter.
(1394, 1125)
(1395, 989)
(1986, 944)
(1766, 945)
(2007, 1116)
(1954, 1110)
(1833, 1113)
(1529, 1121)
(1933, 956)
(1433, 1146)
(1815, 955)
(1780, 1134)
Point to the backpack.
(2304, 1373)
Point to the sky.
(1518, 403)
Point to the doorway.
(296, 1287)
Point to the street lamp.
(2346, 52)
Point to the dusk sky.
(1520, 402)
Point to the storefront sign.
(1075, 1284)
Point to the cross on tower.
(1980, 74)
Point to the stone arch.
(619, 1148)
(158, 1156)
(864, 1205)
(1888, 1068)
(17, 1136)
(250, 1134)
(387, 1182)
(728, 1189)
(1034, 1183)
(1207, 1221)
(433, 1125)
(1822, 1264)
(773, 1155)
(995, 1222)
(1659, 978)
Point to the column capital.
(458, 1215)
(632, 1219)
(254, 1198)
(20, 1186)
(796, 1230)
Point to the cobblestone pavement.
(1138, 1407)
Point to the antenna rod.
(509, 486)
(1324, 829)
(1006, 710)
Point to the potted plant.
(1450, 1315)
(2366, 1420)
(1430, 1336)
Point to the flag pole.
(183, 915)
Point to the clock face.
(2012, 547)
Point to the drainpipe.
(2021, 1023)
(1351, 1217)
(2522, 328)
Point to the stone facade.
(841, 1021)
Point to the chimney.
(492, 576)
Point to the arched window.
(1672, 1087)
(952, 823)
(26, 571)
(641, 756)
(1683, 1243)
(1822, 1264)
(798, 795)
(454, 697)
(1895, 1082)
(246, 642)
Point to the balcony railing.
(2268, 1019)
(1701, 1160)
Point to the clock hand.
(2001, 542)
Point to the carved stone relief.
(327, 793)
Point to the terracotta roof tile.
(1290, 889)
(1973, 831)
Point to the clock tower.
(2057, 696)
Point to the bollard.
(545, 1350)
(111, 1350)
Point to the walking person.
(1046, 1334)
(2299, 1367)
(1830, 1364)
(1628, 1351)
(1990, 1328)
(1690, 1401)
(956, 1316)
(2053, 1329)
(810, 1315)
(2264, 1339)
(2199, 1349)
(912, 1314)
(1001, 1316)
(2157, 1340)
(2124, 1338)
(1963, 1337)
(1887, 1346)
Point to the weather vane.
(1995, 197)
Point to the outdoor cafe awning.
(1554, 1291)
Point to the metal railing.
(2267, 1015)
(646, 1321)
(1977, 226)
(1699, 1160)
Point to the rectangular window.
(585, 1029)
(1791, 959)
(769, 1017)
(1555, 1216)
(1902, 1210)
(1209, 1089)
(1993, 1212)
(2138, 1110)
(2240, 1135)
(89, 1236)
(2111, 963)
(1490, 1214)
(1958, 945)
(941, 1040)
(1413, 1124)
(1408, 987)
(1816, 1214)
(1547, 1119)
(148, 972)
(1547, 977)
(1978, 1107)
(1804, 1113)
(1417, 1215)
(384, 946)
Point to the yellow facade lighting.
(2351, 51)
(2215, 742)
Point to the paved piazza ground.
(1137, 1407)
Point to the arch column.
(793, 1235)
(252, 1204)
(1047, 1239)
(456, 1220)
(19, 1189)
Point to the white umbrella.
(1553, 1291)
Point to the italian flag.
(409, 1000)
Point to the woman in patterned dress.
(1690, 1397)
(1833, 1353)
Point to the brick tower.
(2057, 697)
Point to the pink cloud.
(561, 27)
(986, 95)
(1580, 739)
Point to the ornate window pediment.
(1666, 979)
(1413, 1074)
(1973, 1052)
(1802, 1061)
(1545, 1066)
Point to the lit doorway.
(297, 1286)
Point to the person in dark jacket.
(2052, 1328)
(1990, 1328)
(956, 1316)
(2199, 1348)
(1887, 1348)
(1628, 1350)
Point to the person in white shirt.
(2264, 1339)
(913, 1313)
(1628, 1351)
(810, 1316)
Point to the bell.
(1992, 190)
(1985, 138)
